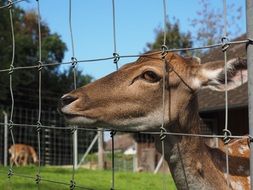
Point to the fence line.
(10, 172)
(73, 129)
(246, 41)
(38, 128)
(224, 39)
(133, 131)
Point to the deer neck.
(188, 156)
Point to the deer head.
(131, 98)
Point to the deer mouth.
(79, 119)
(76, 119)
(68, 116)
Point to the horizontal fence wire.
(45, 180)
(246, 41)
(10, 3)
(36, 66)
(132, 131)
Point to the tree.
(25, 82)
(174, 38)
(210, 23)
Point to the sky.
(136, 21)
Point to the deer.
(131, 99)
(22, 154)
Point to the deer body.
(205, 167)
(21, 154)
(131, 99)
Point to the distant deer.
(22, 154)
(131, 99)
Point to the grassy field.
(97, 180)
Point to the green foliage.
(174, 38)
(25, 82)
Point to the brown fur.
(22, 154)
(126, 100)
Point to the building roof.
(213, 100)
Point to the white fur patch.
(248, 180)
(81, 120)
(76, 119)
(230, 64)
(197, 59)
(237, 185)
(150, 121)
(230, 150)
(243, 148)
(211, 74)
(196, 83)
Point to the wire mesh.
(224, 44)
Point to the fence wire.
(224, 44)
(115, 61)
(246, 41)
(224, 39)
(163, 55)
(74, 128)
(10, 172)
(38, 128)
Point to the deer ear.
(212, 74)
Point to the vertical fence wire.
(162, 128)
(116, 59)
(115, 54)
(164, 22)
(10, 172)
(112, 133)
(227, 133)
(74, 129)
(40, 66)
(73, 58)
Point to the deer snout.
(67, 99)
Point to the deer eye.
(151, 76)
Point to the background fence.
(56, 144)
(50, 139)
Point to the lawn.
(92, 179)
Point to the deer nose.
(67, 99)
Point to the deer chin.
(149, 122)
(79, 120)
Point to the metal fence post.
(100, 150)
(249, 19)
(75, 149)
(5, 138)
(88, 151)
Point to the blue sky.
(135, 24)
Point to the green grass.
(93, 179)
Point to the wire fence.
(42, 128)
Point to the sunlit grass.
(92, 179)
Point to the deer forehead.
(176, 63)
